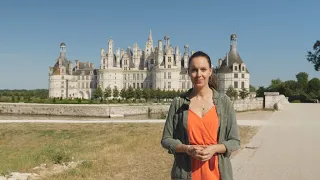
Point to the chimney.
(220, 62)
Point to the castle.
(162, 66)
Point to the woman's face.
(199, 72)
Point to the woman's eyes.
(195, 70)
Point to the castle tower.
(233, 42)
(186, 56)
(63, 50)
(177, 57)
(110, 56)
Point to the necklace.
(202, 107)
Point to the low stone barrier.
(272, 101)
(93, 110)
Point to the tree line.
(136, 94)
(301, 89)
(23, 93)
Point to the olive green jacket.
(175, 132)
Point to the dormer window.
(242, 68)
(236, 68)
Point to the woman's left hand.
(208, 152)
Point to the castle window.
(235, 84)
(242, 85)
(134, 77)
(169, 75)
(169, 66)
(236, 68)
(137, 76)
(242, 68)
(235, 75)
(169, 59)
(183, 85)
(141, 85)
(183, 77)
(242, 75)
(137, 85)
(169, 85)
(125, 76)
(164, 85)
(164, 75)
(141, 76)
(134, 85)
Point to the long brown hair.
(212, 79)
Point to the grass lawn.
(111, 151)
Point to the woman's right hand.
(195, 150)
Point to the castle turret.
(186, 56)
(110, 56)
(177, 57)
(63, 50)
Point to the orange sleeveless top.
(204, 131)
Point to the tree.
(115, 92)
(153, 94)
(172, 94)
(107, 92)
(244, 93)
(314, 57)
(146, 93)
(123, 93)
(98, 93)
(275, 85)
(314, 87)
(138, 93)
(302, 79)
(252, 88)
(159, 94)
(232, 93)
(260, 91)
(130, 93)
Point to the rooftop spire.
(150, 35)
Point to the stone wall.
(248, 104)
(272, 101)
(78, 109)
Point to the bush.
(59, 157)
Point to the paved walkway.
(286, 148)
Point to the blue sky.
(273, 35)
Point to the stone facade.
(162, 66)
(68, 81)
(231, 70)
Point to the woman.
(201, 128)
